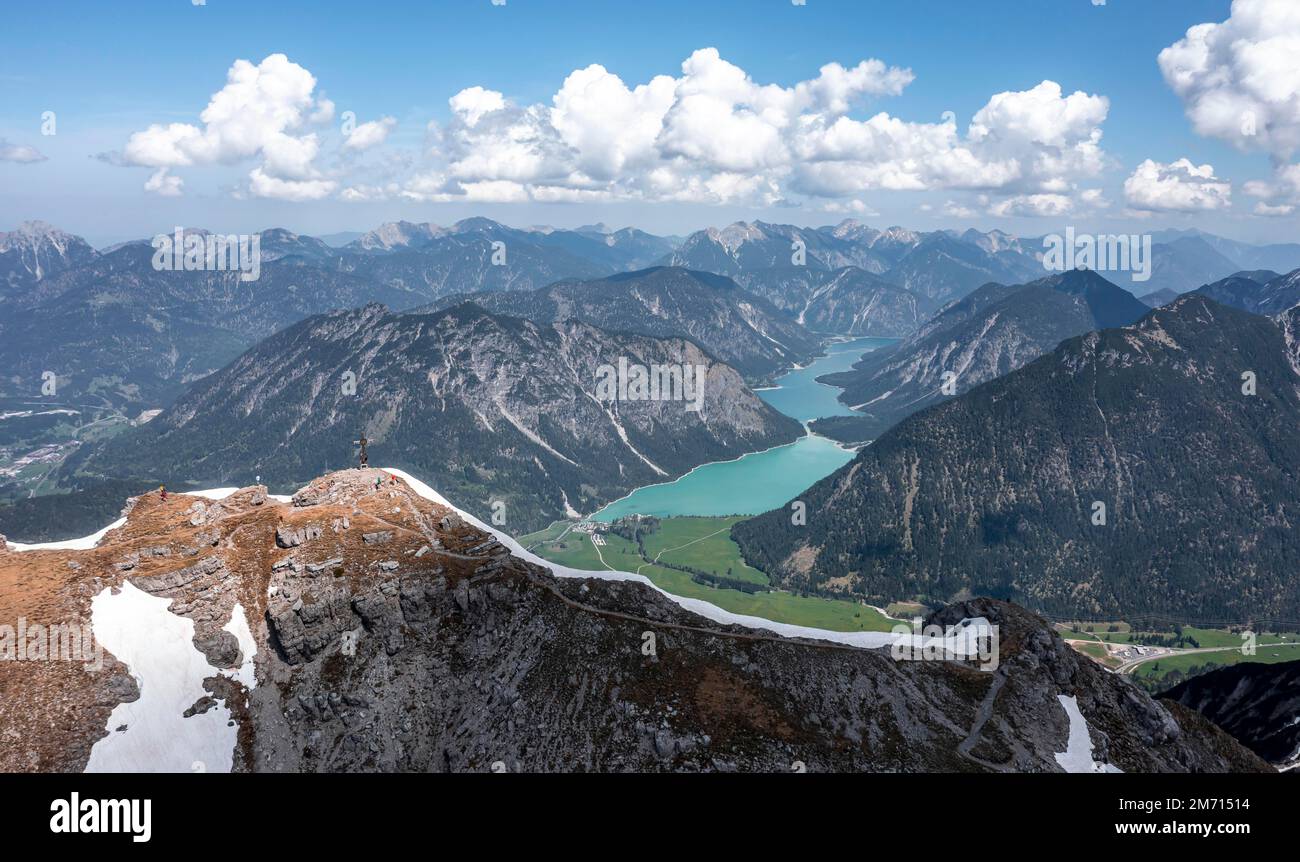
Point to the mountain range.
(496, 409)
(123, 340)
(989, 332)
(474, 254)
(1261, 292)
(1186, 262)
(119, 332)
(1037, 440)
(735, 326)
(1141, 469)
(935, 267)
(1280, 257)
(95, 341)
(71, 309)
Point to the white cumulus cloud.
(1239, 81)
(161, 182)
(264, 185)
(710, 134)
(1034, 206)
(1280, 196)
(262, 112)
(715, 135)
(472, 103)
(1176, 187)
(370, 134)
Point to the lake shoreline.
(781, 471)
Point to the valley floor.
(704, 546)
(1160, 659)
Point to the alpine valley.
(853, 434)
(909, 390)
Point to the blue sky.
(110, 70)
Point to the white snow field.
(85, 543)
(238, 626)
(1077, 756)
(223, 493)
(158, 647)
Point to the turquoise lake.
(763, 480)
(801, 396)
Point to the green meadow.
(705, 544)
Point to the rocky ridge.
(394, 635)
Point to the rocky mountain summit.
(386, 632)
(37, 250)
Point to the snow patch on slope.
(223, 493)
(1077, 756)
(238, 626)
(85, 543)
(158, 648)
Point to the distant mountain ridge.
(853, 301)
(1186, 262)
(610, 252)
(845, 301)
(112, 325)
(936, 267)
(72, 310)
(119, 331)
(991, 331)
(473, 255)
(37, 250)
(1280, 257)
(943, 265)
(737, 327)
(1260, 292)
(1157, 298)
(943, 268)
